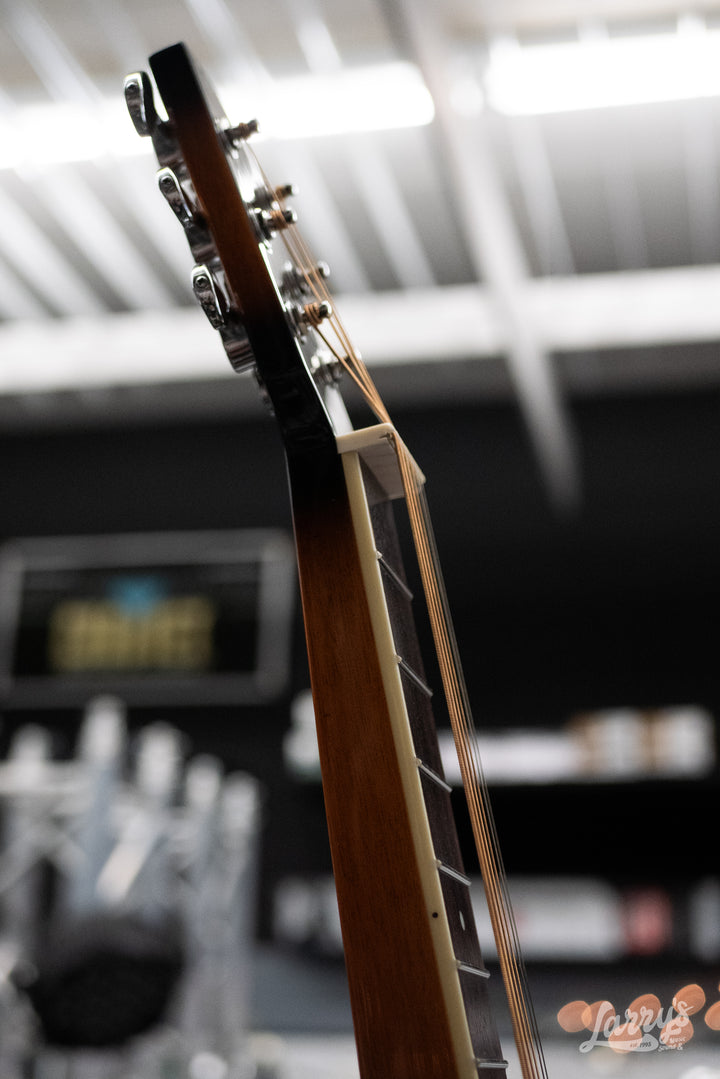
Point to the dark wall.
(611, 604)
(614, 604)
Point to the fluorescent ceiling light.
(52, 133)
(375, 98)
(378, 98)
(600, 73)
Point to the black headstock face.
(253, 276)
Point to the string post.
(315, 313)
(273, 220)
(243, 131)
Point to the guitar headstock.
(253, 276)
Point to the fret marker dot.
(435, 914)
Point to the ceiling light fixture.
(381, 97)
(377, 98)
(602, 72)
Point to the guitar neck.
(418, 984)
(417, 980)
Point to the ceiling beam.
(96, 231)
(593, 312)
(494, 246)
(322, 220)
(540, 192)
(377, 186)
(56, 67)
(17, 300)
(53, 276)
(529, 15)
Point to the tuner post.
(243, 131)
(271, 221)
(315, 313)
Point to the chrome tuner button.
(175, 196)
(322, 270)
(209, 296)
(140, 103)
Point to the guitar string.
(483, 826)
(514, 975)
(474, 782)
(303, 260)
(457, 691)
(515, 980)
(524, 1024)
(504, 924)
(457, 721)
(480, 811)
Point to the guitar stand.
(126, 908)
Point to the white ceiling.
(568, 244)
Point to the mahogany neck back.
(417, 980)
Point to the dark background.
(612, 604)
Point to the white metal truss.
(482, 234)
(569, 315)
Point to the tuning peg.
(243, 131)
(140, 103)
(222, 317)
(176, 197)
(286, 191)
(209, 296)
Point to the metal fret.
(432, 774)
(414, 678)
(490, 1063)
(471, 976)
(394, 576)
(480, 971)
(452, 872)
